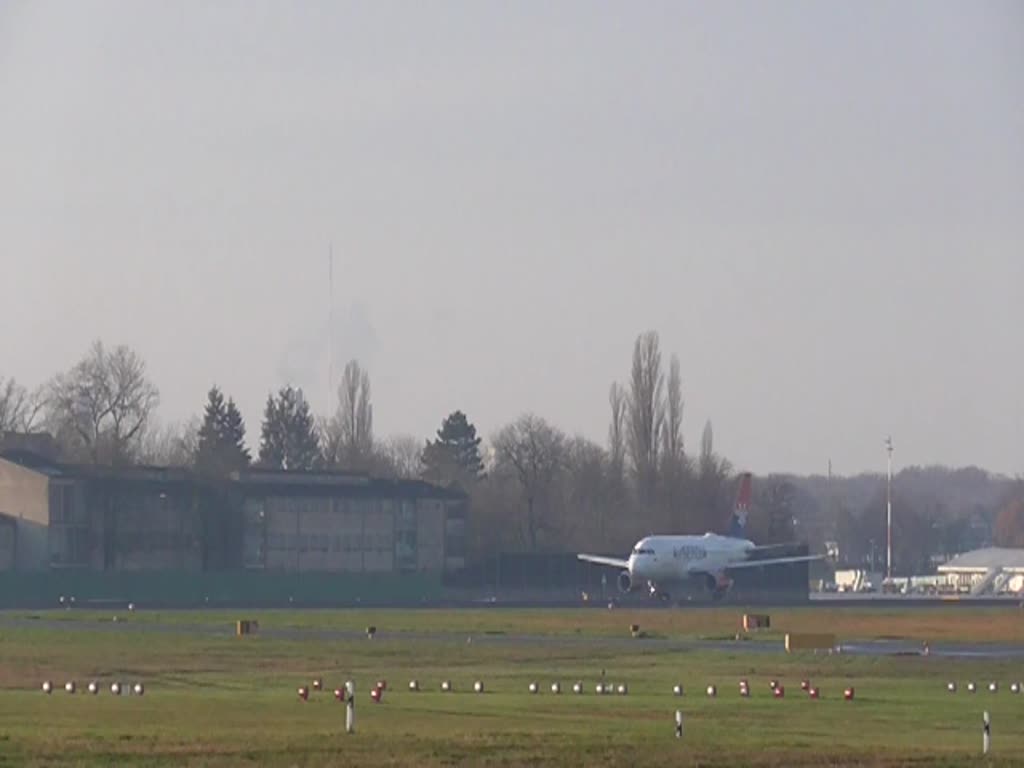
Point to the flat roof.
(253, 480)
(984, 559)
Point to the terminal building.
(84, 521)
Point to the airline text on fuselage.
(689, 552)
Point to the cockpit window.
(643, 551)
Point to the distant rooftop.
(256, 479)
(984, 559)
(300, 477)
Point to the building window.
(254, 535)
(69, 538)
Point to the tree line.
(539, 488)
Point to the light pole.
(888, 511)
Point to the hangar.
(993, 570)
(75, 517)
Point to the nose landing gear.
(658, 594)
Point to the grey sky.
(819, 206)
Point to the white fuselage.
(667, 559)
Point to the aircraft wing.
(612, 561)
(770, 547)
(774, 561)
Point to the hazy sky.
(819, 206)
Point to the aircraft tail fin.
(738, 519)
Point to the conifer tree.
(221, 447)
(454, 457)
(288, 438)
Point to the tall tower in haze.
(330, 329)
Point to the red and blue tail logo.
(738, 519)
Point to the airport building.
(993, 570)
(142, 522)
(348, 522)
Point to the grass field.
(214, 699)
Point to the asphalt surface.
(632, 602)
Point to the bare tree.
(100, 408)
(674, 476)
(330, 441)
(712, 485)
(672, 434)
(356, 410)
(172, 445)
(496, 512)
(1008, 525)
(19, 409)
(403, 455)
(348, 438)
(587, 503)
(646, 413)
(617, 429)
(535, 452)
(707, 447)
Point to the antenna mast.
(330, 329)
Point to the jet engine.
(625, 582)
(717, 585)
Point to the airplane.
(664, 562)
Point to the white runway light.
(556, 688)
(677, 690)
(533, 688)
(115, 688)
(951, 687)
(69, 686)
(94, 688)
(577, 687)
(139, 689)
(623, 689)
(478, 686)
(993, 687)
(47, 686)
(446, 686)
(712, 691)
(414, 685)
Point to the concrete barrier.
(809, 642)
(246, 627)
(755, 621)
